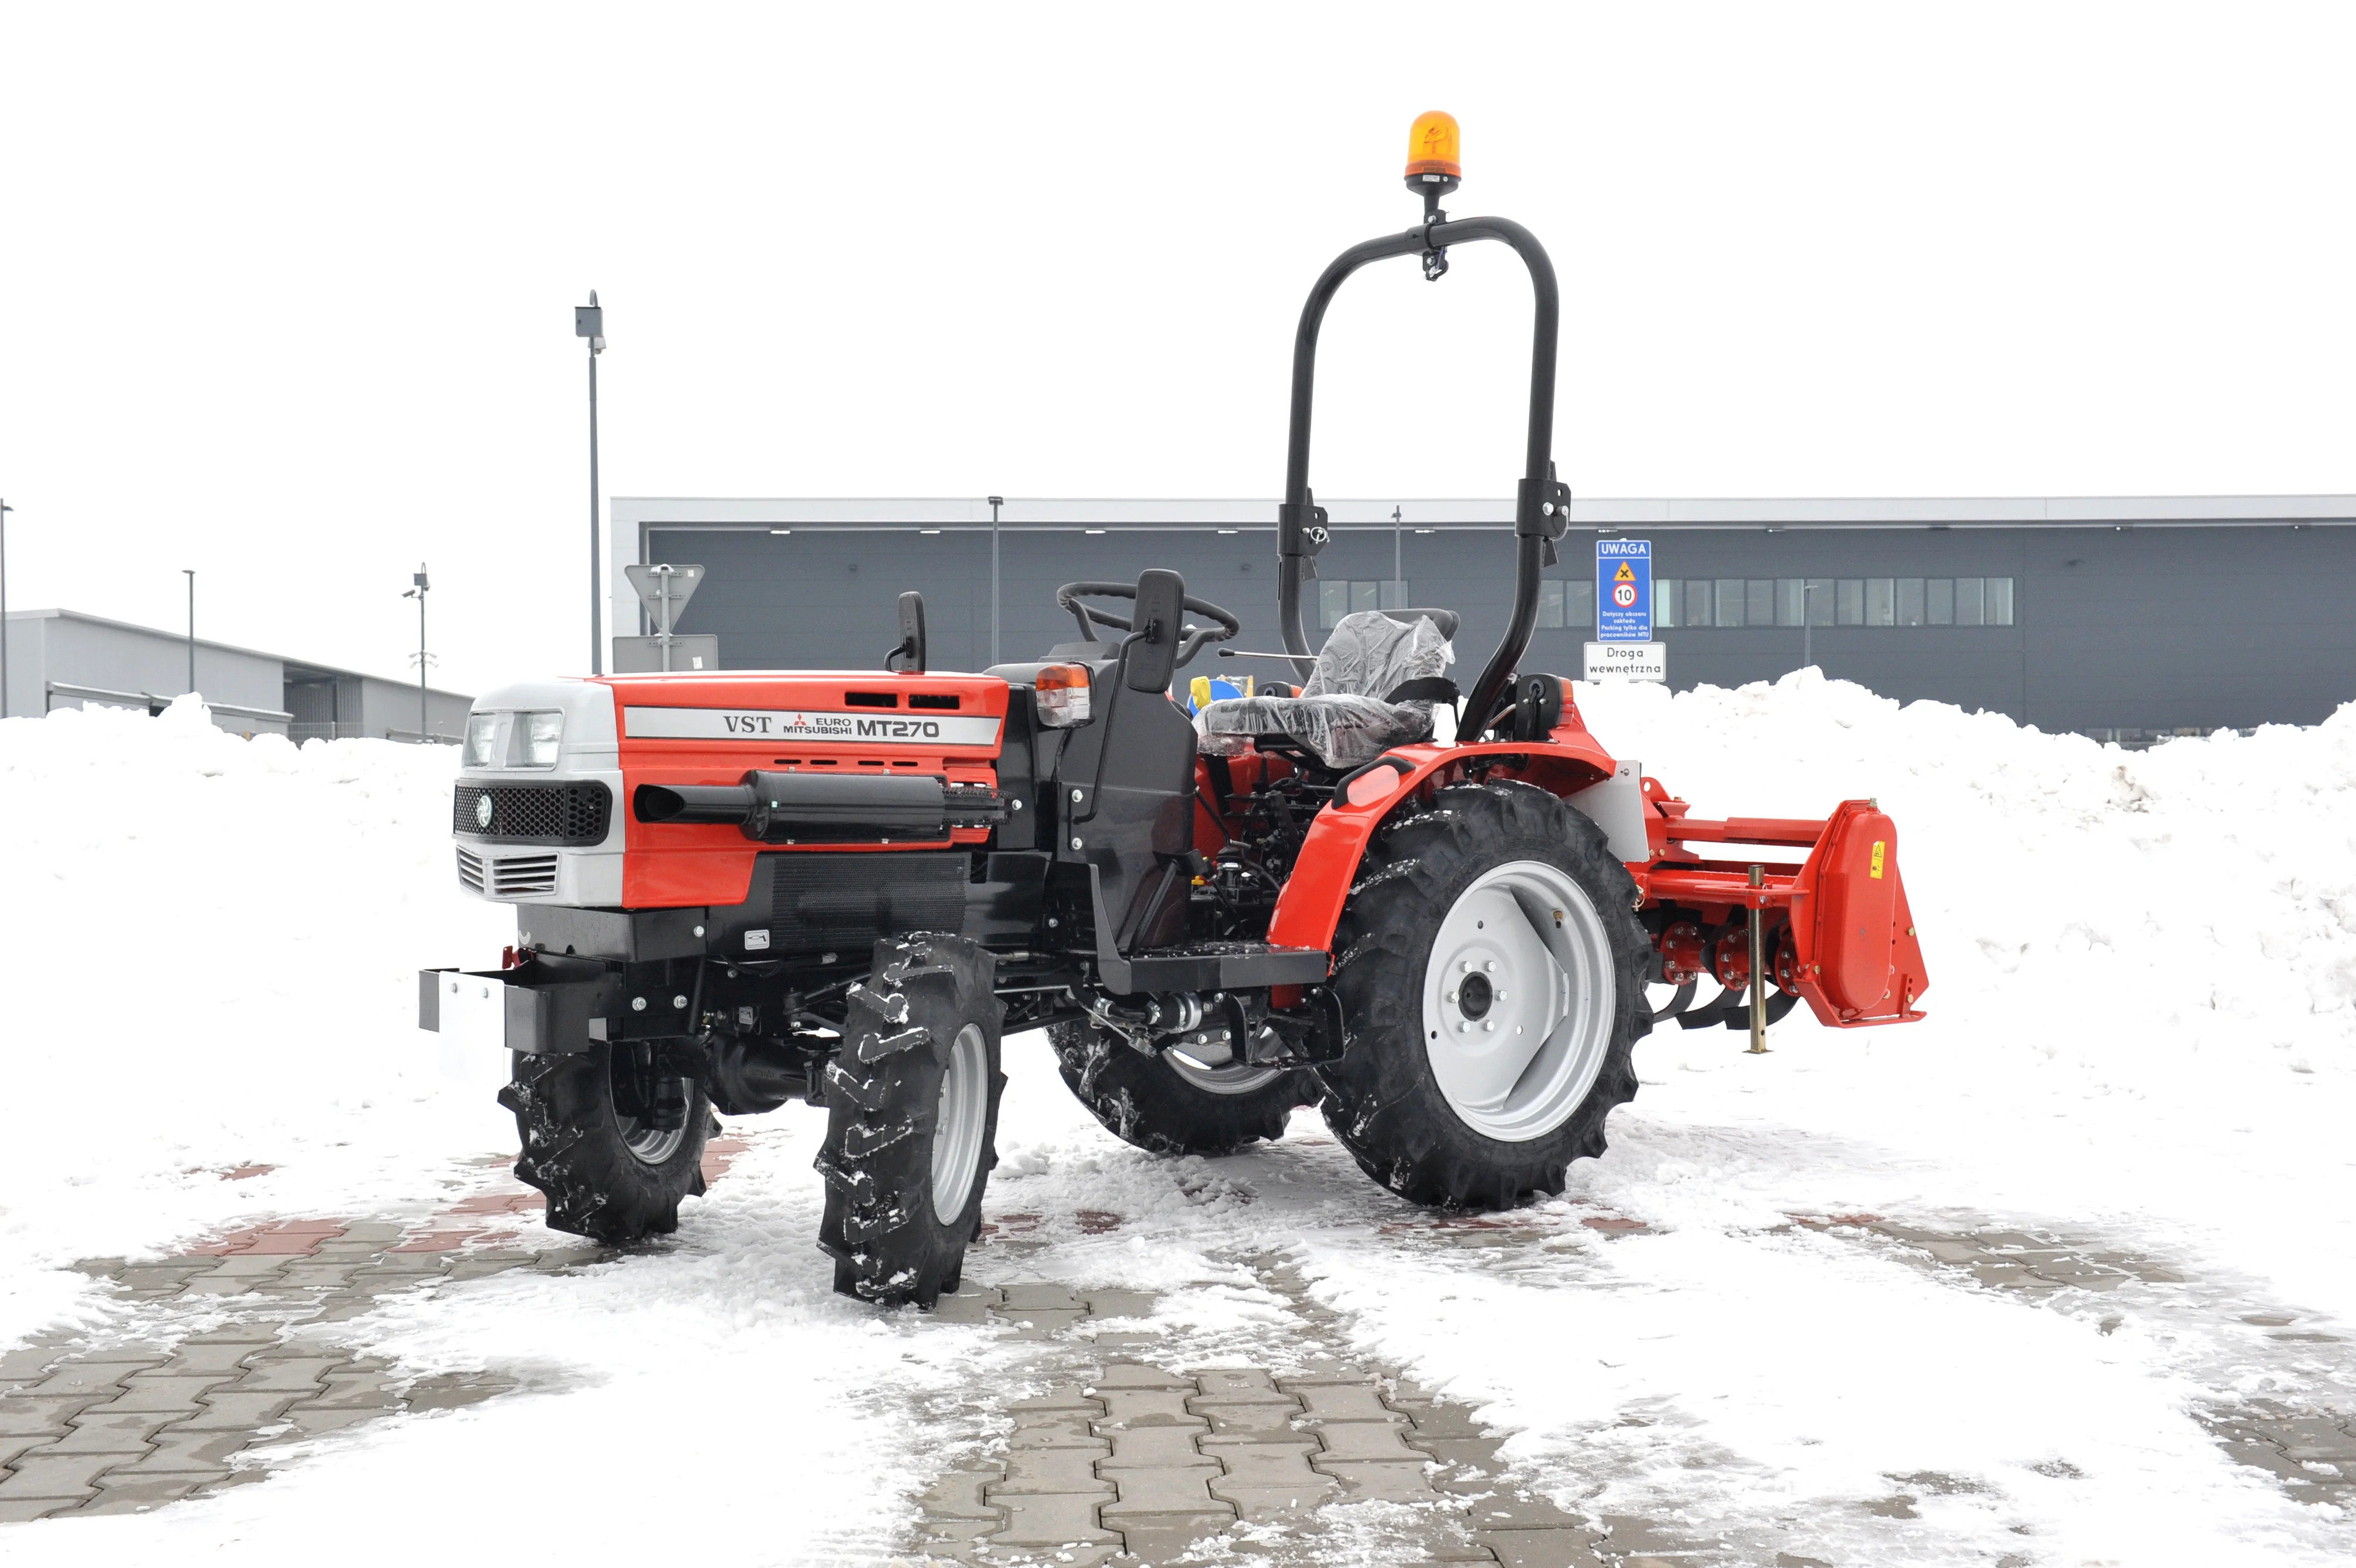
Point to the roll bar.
(1542, 503)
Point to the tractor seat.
(1373, 688)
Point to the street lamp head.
(589, 321)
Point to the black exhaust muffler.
(821, 808)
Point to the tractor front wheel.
(912, 1120)
(1492, 975)
(613, 1139)
(1167, 1105)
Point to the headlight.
(482, 732)
(542, 734)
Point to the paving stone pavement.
(226, 1367)
(2308, 1444)
(1127, 1462)
(218, 1377)
(1124, 1460)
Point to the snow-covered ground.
(2143, 1039)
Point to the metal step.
(1227, 966)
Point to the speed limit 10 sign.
(1623, 590)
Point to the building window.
(1831, 601)
(1338, 596)
(1562, 604)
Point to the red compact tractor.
(739, 889)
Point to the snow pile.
(209, 949)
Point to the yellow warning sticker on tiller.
(1878, 847)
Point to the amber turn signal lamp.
(1062, 695)
(1432, 149)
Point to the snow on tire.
(912, 1120)
(1491, 979)
(1168, 1107)
(612, 1141)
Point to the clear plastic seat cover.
(1339, 716)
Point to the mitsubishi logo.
(482, 811)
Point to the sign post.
(1623, 649)
(666, 590)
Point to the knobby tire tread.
(1382, 1101)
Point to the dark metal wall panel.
(2143, 627)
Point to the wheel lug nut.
(1489, 1029)
(1491, 966)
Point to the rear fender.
(1310, 907)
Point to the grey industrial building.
(2126, 617)
(63, 658)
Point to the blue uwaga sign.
(1623, 590)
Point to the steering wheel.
(1070, 593)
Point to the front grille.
(523, 874)
(470, 869)
(574, 813)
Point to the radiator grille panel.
(523, 874)
(572, 813)
(470, 869)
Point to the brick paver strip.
(1274, 1505)
(1250, 1422)
(1364, 1440)
(1241, 1385)
(101, 1431)
(1343, 1402)
(45, 1413)
(1050, 1472)
(1043, 1520)
(66, 1476)
(1557, 1548)
(292, 1374)
(957, 1494)
(1378, 1480)
(159, 1392)
(177, 1452)
(1165, 1537)
(1170, 1491)
(1053, 1428)
(1266, 1464)
(1148, 1447)
(1147, 1407)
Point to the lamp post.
(589, 321)
(995, 502)
(418, 592)
(190, 573)
(1807, 621)
(4, 510)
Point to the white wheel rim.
(957, 1129)
(1235, 1078)
(1519, 995)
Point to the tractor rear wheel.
(912, 1120)
(1166, 1105)
(1491, 974)
(612, 1139)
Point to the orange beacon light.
(1432, 146)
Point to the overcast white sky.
(286, 293)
